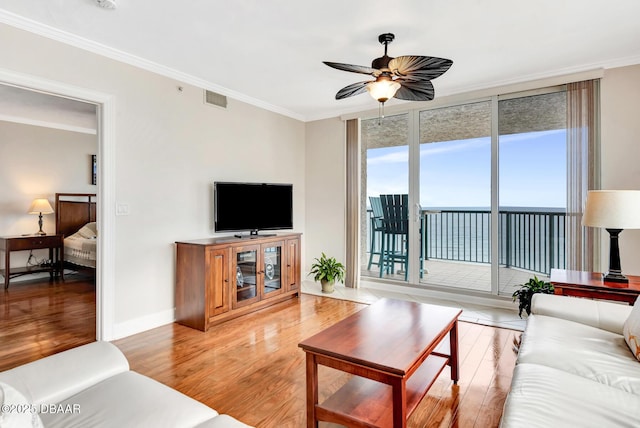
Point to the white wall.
(37, 162)
(170, 147)
(620, 148)
(326, 190)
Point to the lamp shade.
(383, 88)
(612, 209)
(40, 206)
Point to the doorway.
(105, 109)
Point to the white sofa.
(92, 386)
(574, 368)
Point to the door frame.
(105, 111)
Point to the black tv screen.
(252, 206)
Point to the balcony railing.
(531, 239)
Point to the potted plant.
(327, 270)
(526, 291)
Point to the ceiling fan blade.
(353, 68)
(419, 67)
(351, 90)
(415, 91)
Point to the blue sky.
(458, 173)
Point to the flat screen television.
(252, 207)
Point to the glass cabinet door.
(245, 274)
(272, 268)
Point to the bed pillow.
(89, 231)
(15, 410)
(631, 329)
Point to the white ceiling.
(270, 53)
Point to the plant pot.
(327, 286)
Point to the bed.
(76, 220)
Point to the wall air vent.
(215, 99)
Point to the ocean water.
(531, 238)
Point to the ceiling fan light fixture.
(383, 88)
(106, 4)
(406, 77)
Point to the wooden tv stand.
(218, 279)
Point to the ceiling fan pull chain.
(380, 113)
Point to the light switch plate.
(122, 208)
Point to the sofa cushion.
(546, 397)
(582, 350)
(59, 376)
(606, 315)
(631, 329)
(129, 399)
(15, 410)
(223, 421)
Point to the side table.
(54, 243)
(591, 285)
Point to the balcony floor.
(464, 276)
(475, 276)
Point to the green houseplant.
(327, 270)
(526, 291)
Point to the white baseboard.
(138, 325)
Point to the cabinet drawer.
(34, 242)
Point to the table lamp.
(40, 206)
(613, 210)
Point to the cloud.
(528, 136)
(398, 155)
(431, 149)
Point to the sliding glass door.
(532, 189)
(455, 196)
(385, 171)
(481, 188)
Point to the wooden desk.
(391, 342)
(591, 285)
(54, 243)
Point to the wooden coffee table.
(391, 348)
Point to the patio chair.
(376, 230)
(395, 229)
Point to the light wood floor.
(252, 368)
(40, 318)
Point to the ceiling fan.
(405, 77)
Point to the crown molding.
(52, 33)
(49, 32)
